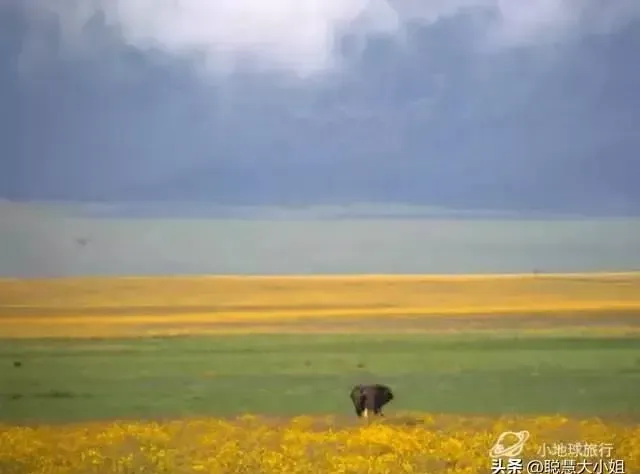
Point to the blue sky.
(469, 104)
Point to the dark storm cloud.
(477, 103)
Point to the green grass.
(73, 380)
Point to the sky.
(465, 104)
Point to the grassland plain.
(105, 400)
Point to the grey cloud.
(298, 36)
(416, 115)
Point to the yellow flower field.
(254, 445)
(257, 297)
(127, 307)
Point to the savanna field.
(252, 374)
